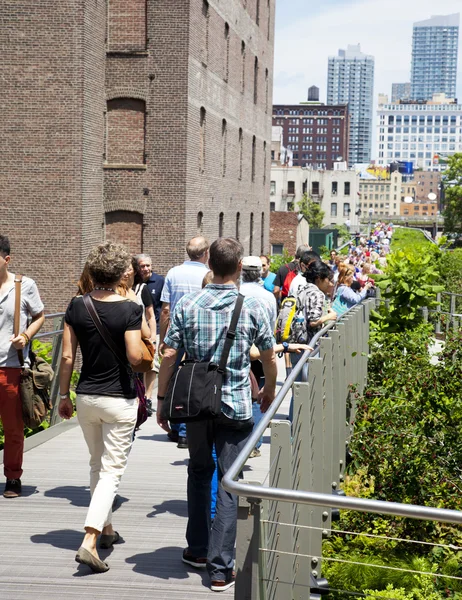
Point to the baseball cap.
(251, 263)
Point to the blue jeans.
(302, 376)
(216, 542)
(213, 505)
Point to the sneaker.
(12, 488)
(221, 585)
(173, 436)
(189, 559)
(255, 453)
(182, 442)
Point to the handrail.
(231, 483)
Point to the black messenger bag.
(194, 392)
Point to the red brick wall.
(283, 230)
(125, 131)
(61, 75)
(51, 130)
(126, 25)
(126, 228)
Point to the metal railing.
(281, 525)
(56, 335)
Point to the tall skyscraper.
(351, 80)
(400, 91)
(434, 57)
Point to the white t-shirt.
(31, 305)
(297, 284)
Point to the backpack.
(290, 324)
(293, 272)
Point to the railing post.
(58, 324)
(438, 315)
(248, 579)
(279, 568)
(453, 308)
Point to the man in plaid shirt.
(199, 324)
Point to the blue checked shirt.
(199, 324)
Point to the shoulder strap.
(17, 313)
(104, 333)
(230, 336)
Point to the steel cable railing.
(265, 504)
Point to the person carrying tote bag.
(106, 402)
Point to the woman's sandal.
(84, 557)
(107, 541)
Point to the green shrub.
(278, 260)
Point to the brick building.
(140, 121)
(427, 182)
(288, 230)
(316, 133)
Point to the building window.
(333, 209)
(257, 18)
(224, 135)
(272, 206)
(251, 235)
(205, 20)
(241, 151)
(126, 25)
(346, 188)
(202, 140)
(277, 248)
(334, 188)
(291, 188)
(269, 20)
(264, 163)
(200, 217)
(242, 67)
(262, 233)
(125, 136)
(272, 188)
(226, 65)
(255, 81)
(315, 188)
(221, 223)
(254, 152)
(266, 90)
(238, 225)
(346, 209)
(290, 207)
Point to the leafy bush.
(408, 285)
(410, 240)
(278, 260)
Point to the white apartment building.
(419, 132)
(337, 191)
(384, 196)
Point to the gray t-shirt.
(31, 305)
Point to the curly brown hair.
(108, 262)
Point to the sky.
(309, 31)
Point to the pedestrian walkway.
(41, 531)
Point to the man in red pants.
(31, 319)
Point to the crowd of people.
(119, 301)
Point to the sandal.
(84, 557)
(107, 541)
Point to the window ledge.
(127, 53)
(126, 167)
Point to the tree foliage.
(312, 211)
(452, 179)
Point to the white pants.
(107, 424)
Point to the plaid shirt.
(199, 324)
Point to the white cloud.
(384, 30)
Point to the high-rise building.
(134, 121)
(351, 81)
(434, 57)
(400, 91)
(315, 133)
(423, 133)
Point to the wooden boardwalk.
(41, 531)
